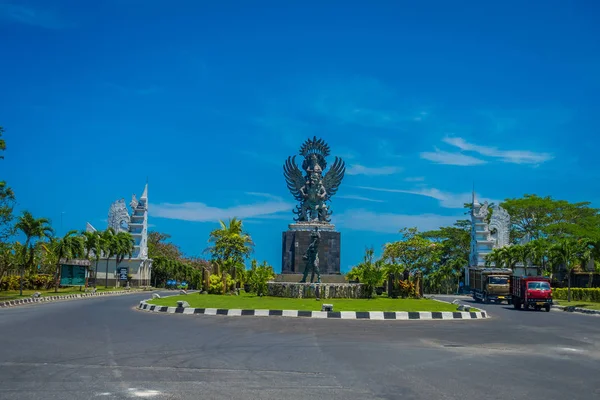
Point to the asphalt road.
(103, 348)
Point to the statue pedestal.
(296, 240)
(313, 290)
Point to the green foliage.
(369, 272)
(7, 205)
(453, 245)
(406, 288)
(577, 294)
(216, 285)
(160, 247)
(35, 282)
(414, 251)
(258, 276)
(541, 217)
(231, 245)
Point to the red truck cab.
(531, 291)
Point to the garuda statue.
(313, 189)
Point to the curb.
(371, 315)
(577, 310)
(29, 300)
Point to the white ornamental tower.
(486, 236)
(138, 224)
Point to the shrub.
(40, 281)
(577, 294)
(215, 284)
(258, 276)
(407, 288)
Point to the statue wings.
(333, 177)
(293, 178)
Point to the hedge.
(579, 294)
(35, 282)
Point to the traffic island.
(47, 299)
(256, 306)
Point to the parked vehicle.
(531, 291)
(490, 284)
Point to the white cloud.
(200, 212)
(365, 220)
(415, 179)
(357, 169)
(446, 199)
(509, 156)
(360, 198)
(447, 158)
(265, 195)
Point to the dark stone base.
(295, 243)
(297, 277)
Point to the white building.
(120, 219)
(486, 236)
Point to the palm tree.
(124, 245)
(92, 245)
(68, 247)
(496, 257)
(34, 229)
(570, 252)
(231, 244)
(107, 246)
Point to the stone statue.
(313, 189)
(311, 256)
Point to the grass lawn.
(249, 302)
(577, 303)
(14, 294)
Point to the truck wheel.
(547, 307)
(485, 299)
(516, 304)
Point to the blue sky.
(208, 99)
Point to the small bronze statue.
(312, 258)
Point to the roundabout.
(244, 305)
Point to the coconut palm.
(124, 245)
(495, 257)
(34, 229)
(92, 246)
(539, 252)
(231, 245)
(569, 253)
(107, 247)
(68, 247)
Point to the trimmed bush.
(36, 282)
(577, 294)
(215, 284)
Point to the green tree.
(231, 246)
(9, 258)
(370, 272)
(540, 217)
(258, 276)
(108, 246)
(495, 258)
(453, 245)
(93, 245)
(570, 253)
(7, 201)
(70, 246)
(159, 246)
(413, 252)
(123, 246)
(34, 229)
